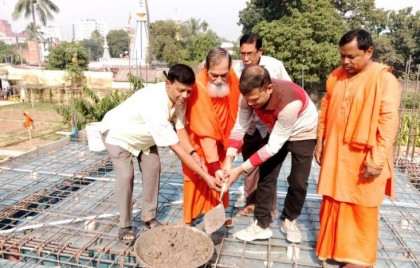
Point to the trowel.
(215, 218)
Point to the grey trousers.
(150, 168)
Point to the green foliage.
(92, 108)
(409, 129)
(74, 74)
(258, 11)
(362, 14)
(136, 82)
(411, 100)
(385, 52)
(43, 9)
(7, 53)
(168, 42)
(404, 30)
(33, 31)
(307, 33)
(176, 42)
(62, 56)
(94, 46)
(118, 42)
(200, 44)
(305, 41)
(89, 108)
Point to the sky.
(221, 15)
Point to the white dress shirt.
(143, 120)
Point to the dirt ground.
(15, 137)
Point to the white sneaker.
(253, 232)
(291, 230)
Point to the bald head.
(253, 77)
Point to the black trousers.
(251, 144)
(302, 154)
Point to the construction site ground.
(57, 208)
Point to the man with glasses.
(251, 52)
(210, 116)
(291, 117)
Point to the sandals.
(127, 234)
(228, 222)
(246, 211)
(153, 223)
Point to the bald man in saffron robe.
(210, 116)
(356, 132)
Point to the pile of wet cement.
(174, 246)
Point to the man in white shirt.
(135, 128)
(251, 52)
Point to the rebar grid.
(58, 209)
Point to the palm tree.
(91, 108)
(196, 26)
(33, 32)
(43, 9)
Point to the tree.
(258, 11)
(29, 7)
(396, 34)
(404, 29)
(8, 54)
(91, 108)
(200, 44)
(118, 42)
(174, 42)
(200, 39)
(196, 26)
(385, 52)
(363, 14)
(306, 41)
(62, 56)
(94, 45)
(33, 32)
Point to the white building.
(83, 29)
(51, 32)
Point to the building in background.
(8, 36)
(51, 32)
(83, 29)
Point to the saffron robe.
(208, 123)
(358, 123)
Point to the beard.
(218, 91)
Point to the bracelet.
(193, 152)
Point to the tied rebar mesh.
(57, 208)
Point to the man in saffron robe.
(357, 128)
(210, 116)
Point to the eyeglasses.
(248, 54)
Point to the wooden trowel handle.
(222, 191)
